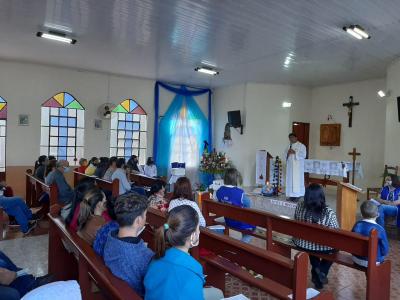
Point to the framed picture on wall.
(23, 120)
(98, 124)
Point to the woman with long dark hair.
(314, 210)
(174, 274)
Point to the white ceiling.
(247, 39)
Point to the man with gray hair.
(65, 192)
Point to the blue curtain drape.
(183, 122)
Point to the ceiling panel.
(248, 40)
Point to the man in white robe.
(295, 154)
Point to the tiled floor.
(345, 283)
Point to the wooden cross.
(354, 155)
(350, 105)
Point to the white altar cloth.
(332, 167)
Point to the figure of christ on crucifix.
(350, 105)
(354, 155)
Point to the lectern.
(346, 204)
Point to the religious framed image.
(330, 134)
(98, 124)
(23, 120)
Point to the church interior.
(197, 149)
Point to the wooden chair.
(389, 170)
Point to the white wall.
(392, 138)
(367, 133)
(26, 86)
(266, 123)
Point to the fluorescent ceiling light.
(381, 94)
(207, 71)
(56, 36)
(286, 104)
(357, 31)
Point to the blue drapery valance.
(184, 91)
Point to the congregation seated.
(389, 201)
(83, 163)
(92, 165)
(51, 166)
(150, 169)
(101, 167)
(65, 192)
(230, 193)
(84, 185)
(125, 253)
(90, 217)
(17, 208)
(133, 164)
(173, 273)
(183, 195)
(121, 174)
(40, 167)
(16, 282)
(112, 166)
(369, 212)
(157, 196)
(313, 209)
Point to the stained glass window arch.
(128, 131)
(3, 132)
(62, 128)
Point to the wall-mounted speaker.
(398, 108)
(234, 120)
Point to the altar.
(276, 205)
(329, 168)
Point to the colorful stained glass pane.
(59, 98)
(75, 105)
(2, 105)
(139, 111)
(68, 98)
(2, 100)
(52, 103)
(125, 105)
(54, 121)
(63, 112)
(3, 113)
(120, 109)
(132, 105)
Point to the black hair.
(128, 207)
(395, 180)
(84, 185)
(150, 161)
(314, 202)
(40, 161)
(92, 160)
(120, 162)
(156, 187)
(182, 222)
(292, 134)
(113, 159)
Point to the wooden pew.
(87, 268)
(142, 180)
(281, 275)
(378, 276)
(101, 183)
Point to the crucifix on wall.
(349, 106)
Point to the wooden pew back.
(87, 268)
(112, 186)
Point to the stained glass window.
(3, 126)
(62, 128)
(128, 131)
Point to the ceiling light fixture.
(357, 31)
(206, 70)
(56, 36)
(286, 104)
(383, 94)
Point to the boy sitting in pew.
(369, 212)
(125, 253)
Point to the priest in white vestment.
(295, 155)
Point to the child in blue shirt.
(125, 253)
(369, 212)
(390, 201)
(229, 193)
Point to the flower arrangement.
(214, 162)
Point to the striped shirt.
(178, 202)
(328, 219)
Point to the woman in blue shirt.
(174, 274)
(390, 202)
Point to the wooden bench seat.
(348, 243)
(281, 275)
